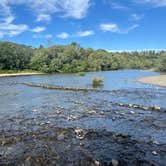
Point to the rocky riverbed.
(105, 134)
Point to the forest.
(73, 58)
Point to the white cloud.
(43, 17)
(75, 8)
(111, 27)
(63, 35)
(85, 33)
(43, 10)
(136, 17)
(38, 29)
(38, 36)
(114, 28)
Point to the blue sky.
(106, 24)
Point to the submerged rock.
(72, 118)
(80, 133)
(61, 137)
(156, 142)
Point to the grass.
(97, 82)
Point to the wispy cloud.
(63, 35)
(43, 17)
(127, 30)
(114, 28)
(136, 17)
(115, 5)
(38, 29)
(38, 36)
(109, 27)
(7, 28)
(154, 3)
(85, 33)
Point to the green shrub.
(81, 74)
(97, 82)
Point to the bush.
(80, 74)
(96, 81)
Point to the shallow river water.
(39, 126)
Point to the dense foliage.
(73, 58)
(14, 56)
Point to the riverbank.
(159, 80)
(12, 73)
(19, 74)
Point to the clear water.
(14, 98)
(20, 100)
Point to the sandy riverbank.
(19, 74)
(159, 80)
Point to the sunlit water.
(16, 97)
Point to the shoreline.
(19, 74)
(159, 80)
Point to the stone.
(122, 113)
(72, 118)
(154, 153)
(80, 133)
(35, 110)
(61, 137)
(115, 162)
(97, 163)
(155, 142)
(132, 112)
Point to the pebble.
(135, 106)
(122, 113)
(80, 133)
(154, 153)
(115, 162)
(41, 124)
(132, 112)
(113, 118)
(72, 118)
(145, 108)
(130, 105)
(58, 112)
(155, 142)
(97, 163)
(92, 112)
(35, 110)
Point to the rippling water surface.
(24, 110)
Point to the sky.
(106, 24)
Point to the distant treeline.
(73, 58)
